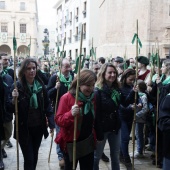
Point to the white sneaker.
(138, 155)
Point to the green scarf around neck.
(88, 103)
(34, 90)
(5, 71)
(62, 78)
(166, 81)
(115, 95)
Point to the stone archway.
(5, 49)
(22, 51)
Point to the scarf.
(88, 103)
(34, 90)
(62, 78)
(166, 81)
(115, 95)
(5, 71)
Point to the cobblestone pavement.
(11, 164)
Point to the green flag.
(14, 44)
(77, 63)
(92, 53)
(58, 49)
(29, 46)
(138, 40)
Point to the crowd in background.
(46, 95)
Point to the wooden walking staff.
(157, 108)
(29, 47)
(77, 91)
(55, 110)
(134, 118)
(16, 100)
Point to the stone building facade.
(25, 15)
(118, 25)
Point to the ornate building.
(25, 15)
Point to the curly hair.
(101, 76)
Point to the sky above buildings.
(46, 12)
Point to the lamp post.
(46, 42)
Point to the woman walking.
(33, 109)
(87, 119)
(109, 98)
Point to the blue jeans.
(126, 127)
(114, 144)
(166, 163)
(139, 137)
(58, 150)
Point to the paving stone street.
(11, 161)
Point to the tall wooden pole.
(76, 101)
(157, 111)
(56, 101)
(30, 47)
(16, 99)
(134, 118)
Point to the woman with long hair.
(109, 98)
(86, 120)
(126, 115)
(33, 109)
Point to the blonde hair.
(101, 76)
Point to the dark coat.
(125, 111)
(164, 124)
(106, 108)
(1, 109)
(44, 107)
(8, 81)
(52, 91)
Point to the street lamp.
(46, 42)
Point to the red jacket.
(65, 120)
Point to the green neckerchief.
(62, 78)
(141, 94)
(154, 77)
(88, 103)
(2, 75)
(115, 95)
(166, 81)
(34, 90)
(5, 71)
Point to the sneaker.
(4, 154)
(105, 158)
(139, 155)
(9, 144)
(1, 165)
(62, 163)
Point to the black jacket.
(164, 124)
(125, 111)
(7, 83)
(52, 91)
(1, 109)
(44, 107)
(107, 110)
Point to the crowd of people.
(109, 93)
